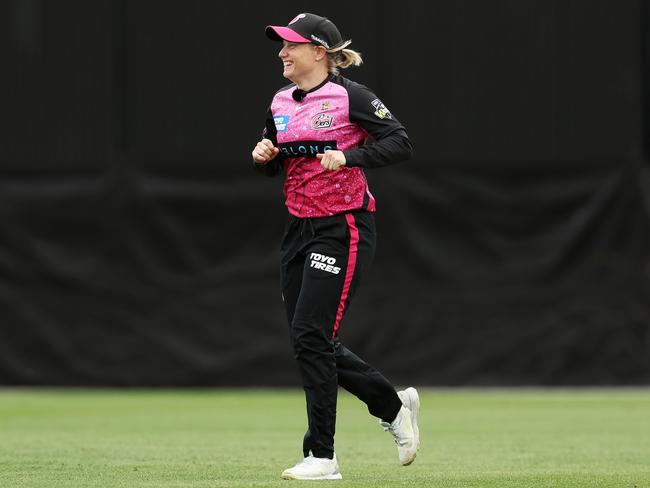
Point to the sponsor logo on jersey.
(325, 263)
(325, 106)
(380, 109)
(281, 122)
(306, 148)
(322, 121)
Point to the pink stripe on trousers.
(349, 272)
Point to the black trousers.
(322, 262)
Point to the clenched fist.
(264, 151)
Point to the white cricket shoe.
(313, 468)
(402, 430)
(411, 400)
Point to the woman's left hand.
(332, 160)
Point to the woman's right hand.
(264, 151)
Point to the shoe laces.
(394, 430)
(311, 459)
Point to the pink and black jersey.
(338, 114)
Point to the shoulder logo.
(380, 109)
(322, 121)
(325, 106)
(281, 122)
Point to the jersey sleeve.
(389, 141)
(270, 132)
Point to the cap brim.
(279, 33)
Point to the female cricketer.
(322, 131)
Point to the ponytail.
(341, 57)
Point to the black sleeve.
(390, 143)
(271, 168)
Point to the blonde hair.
(341, 57)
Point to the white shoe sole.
(411, 400)
(291, 476)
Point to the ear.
(320, 53)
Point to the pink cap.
(284, 33)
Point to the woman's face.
(298, 59)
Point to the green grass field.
(245, 438)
